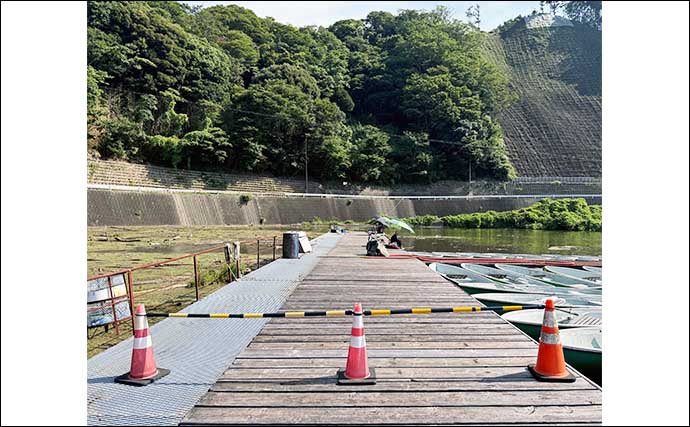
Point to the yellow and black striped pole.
(335, 313)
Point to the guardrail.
(560, 179)
(111, 303)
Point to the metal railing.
(233, 257)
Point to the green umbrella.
(395, 223)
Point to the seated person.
(395, 241)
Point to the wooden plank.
(372, 345)
(409, 399)
(419, 325)
(375, 353)
(328, 384)
(491, 339)
(420, 329)
(436, 319)
(399, 415)
(492, 373)
(408, 362)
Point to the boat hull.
(586, 362)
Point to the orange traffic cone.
(550, 364)
(357, 368)
(143, 370)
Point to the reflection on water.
(503, 240)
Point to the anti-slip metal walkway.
(465, 368)
(196, 352)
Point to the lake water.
(503, 240)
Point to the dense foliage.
(390, 98)
(547, 214)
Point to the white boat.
(560, 300)
(547, 276)
(473, 283)
(530, 321)
(592, 269)
(501, 276)
(576, 273)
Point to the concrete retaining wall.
(109, 207)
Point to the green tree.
(584, 12)
(175, 85)
(207, 147)
(370, 149)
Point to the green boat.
(547, 277)
(582, 351)
(474, 283)
(530, 321)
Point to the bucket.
(291, 245)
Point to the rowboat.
(474, 283)
(593, 269)
(547, 276)
(530, 321)
(582, 350)
(497, 298)
(576, 273)
(502, 276)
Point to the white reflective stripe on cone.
(140, 322)
(144, 342)
(550, 338)
(549, 319)
(358, 342)
(358, 322)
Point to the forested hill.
(411, 97)
(554, 127)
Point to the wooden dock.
(441, 369)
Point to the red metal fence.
(114, 299)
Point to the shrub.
(422, 220)
(245, 198)
(563, 214)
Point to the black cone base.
(343, 380)
(570, 378)
(125, 379)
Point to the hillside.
(393, 98)
(404, 98)
(554, 128)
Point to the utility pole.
(306, 167)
